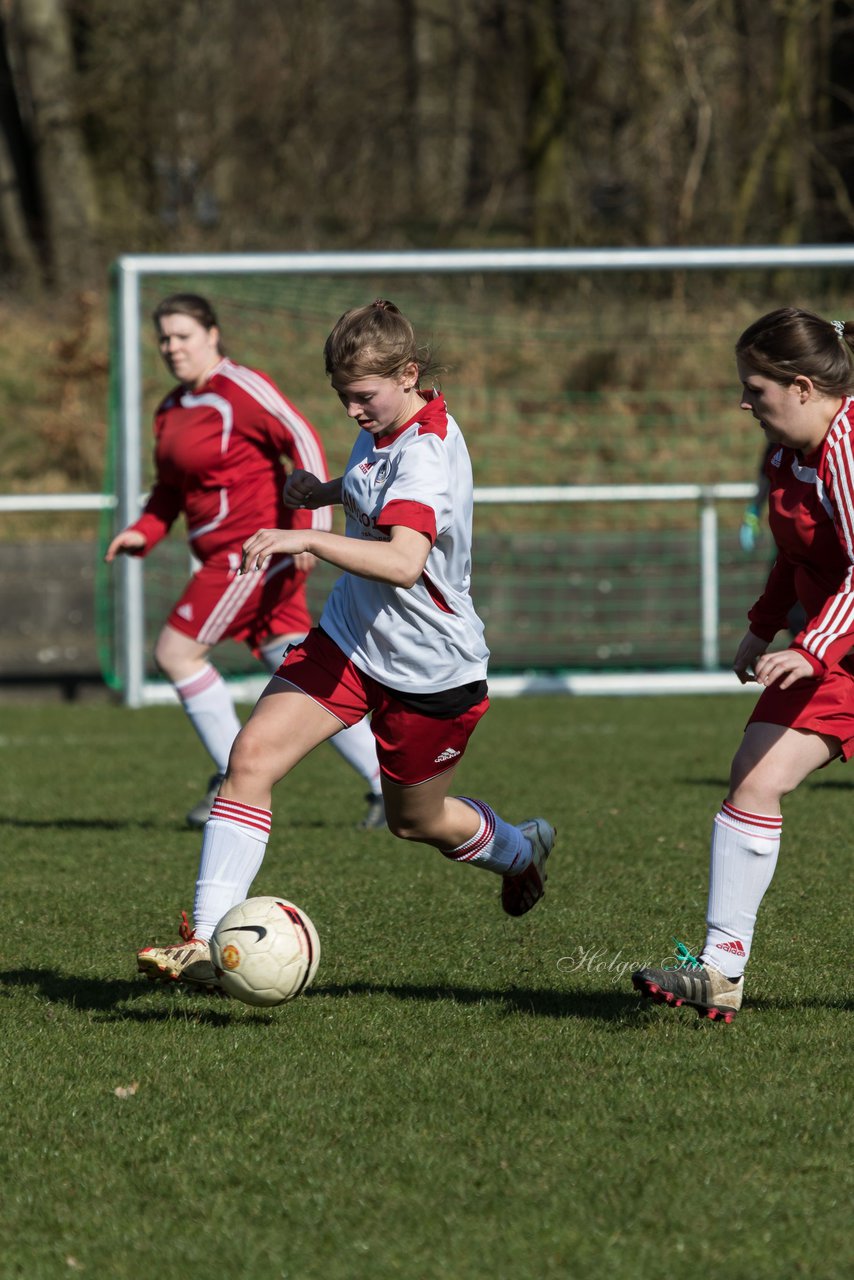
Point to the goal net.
(599, 400)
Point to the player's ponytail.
(375, 340)
(789, 341)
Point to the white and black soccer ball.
(265, 951)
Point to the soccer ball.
(265, 951)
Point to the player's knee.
(249, 755)
(404, 828)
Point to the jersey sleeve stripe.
(835, 623)
(275, 403)
(412, 515)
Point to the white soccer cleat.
(188, 961)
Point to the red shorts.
(821, 706)
(220, 604)
(411, 747)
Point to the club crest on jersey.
(381, 472)
(777, 458)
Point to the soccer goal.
(597, 392)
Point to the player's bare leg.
(283, 728)
(467, 830)
(771, 762)
(356, 743)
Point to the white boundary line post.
(709, 599)
(130, 482)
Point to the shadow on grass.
(80, 824)
(172, 825)
(106, 995)
(604, 1006)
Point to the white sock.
(743, 858)
(358, 747)
(496, 845)
(233, 848)
(208, 703)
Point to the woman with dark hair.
(223, 437)
(797, 381)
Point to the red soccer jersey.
(811, 514)
(218, 454)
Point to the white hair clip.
(839, 326)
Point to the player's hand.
(128, 542)
(300, 488)
(749, 650)
(785, 667)
(258, 549)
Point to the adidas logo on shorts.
(448, 754)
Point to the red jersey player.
(220, 439)
(399, 637)
(797, 377)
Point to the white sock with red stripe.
(743, 859)
(208, 703)
(496, 846)
(233, 848)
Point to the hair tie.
(839, 326)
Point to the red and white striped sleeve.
(829, 636)
(291, 433)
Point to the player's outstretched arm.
(399, 561)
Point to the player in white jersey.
(399, 637)
(220, 438)
(797, 376)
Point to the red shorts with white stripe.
(411, 747)
(820, 706)
(220, 604)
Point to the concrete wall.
(47, 611)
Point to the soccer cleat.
(521, 892)
(189, 961)
(374, 819)
(694, 983)
(199, 814)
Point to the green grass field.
(459, 1095)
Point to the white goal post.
(128, 273)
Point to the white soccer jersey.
(425, 638)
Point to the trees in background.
(238, 124)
